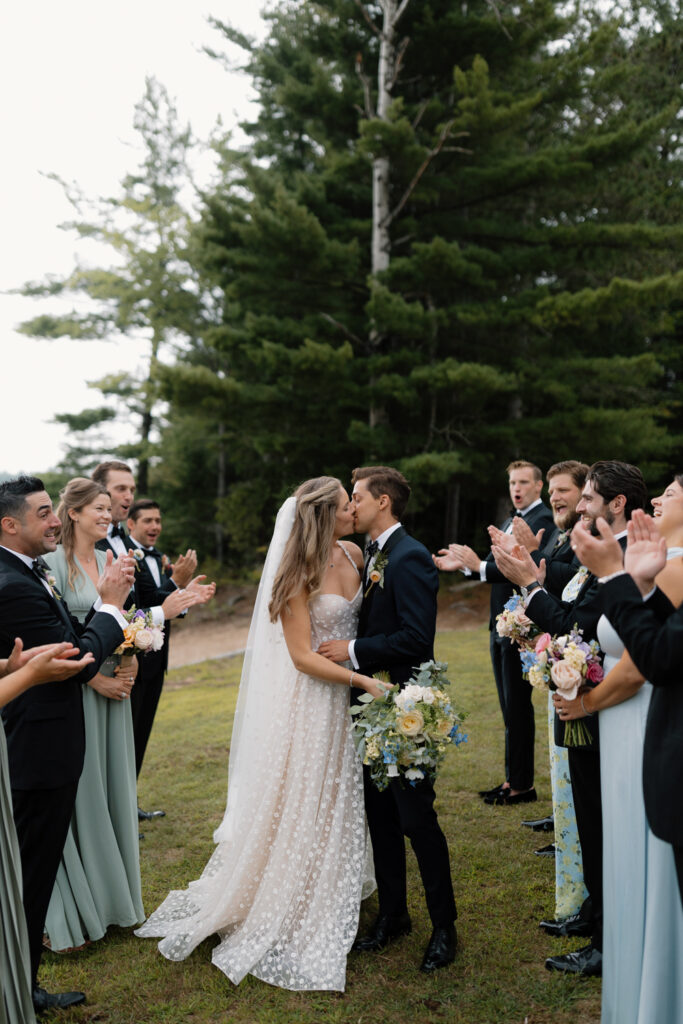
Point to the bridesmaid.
(98, 882)
(45, 665)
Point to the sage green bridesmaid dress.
(98, 881)
(16, 1004)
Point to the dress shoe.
(504, 799)
(440, 951)
(483, 793)
(541, 824)
(586, 961)
(141, 835)
(574, 925)
(384, 931)
(43, 1000)
(148, 815)
(545, 851)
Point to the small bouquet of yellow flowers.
(405, 733)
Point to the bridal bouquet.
(405, 733)
(515, 624)
(565, 663)
(140, 634)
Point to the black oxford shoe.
(149, 815)
(541, 824)
(440, 951)
(545, 851)
(574, 925)
(43, 1000)
(483, 793)
(384, 931)
(586, 961)
(504, 798)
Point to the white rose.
(157, 639)
(144, 639)
(427, 695)
(411, 723)
(566, 678)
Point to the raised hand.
(646, 551)
(184, 567)
(177, 602)
(202, 592)
(602, 555)
(467, 556)
(446, 561)
(116, 580)
(525, 536)
(518, 565)
(506, 541)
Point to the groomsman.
(652, 631)
(44, 726)
(525, 482)
(612, 490)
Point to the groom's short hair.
(385, 480)
(100, 474)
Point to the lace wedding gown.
(283, 888)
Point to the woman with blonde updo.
(98, 881)
(283, 887)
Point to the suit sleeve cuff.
(482, 572)
(110, 609)
(352, 654)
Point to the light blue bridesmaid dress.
(643, 931)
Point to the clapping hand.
(602, 555)
(201, 592)
(116, 580)
(525, 536)
(645, 552)
(446, 561)
(184, 567)
(49, 661)
(503, 540)
(518, 566)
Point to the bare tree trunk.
(220, 493)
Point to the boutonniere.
(376, 574)
(52, 584)
(165, 563)
(139, 557)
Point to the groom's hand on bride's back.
(335, 650)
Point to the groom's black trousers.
(404, 810)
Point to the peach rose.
(144, 639)
(566, 679)
(411, 724)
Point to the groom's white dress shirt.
(381, 541)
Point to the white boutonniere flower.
(139, 556)
(52, 584)
(376, 574)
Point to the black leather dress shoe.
(43, 1000)
(148, 815)
(384, 931)
(545, 851)
(440, 951)
(483, 793)
(586, 961)
(503, 798)
(541, 824)
(574, 925)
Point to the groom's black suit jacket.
(652, 632)
(44, 725)
(398, 620)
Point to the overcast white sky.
(70, 75)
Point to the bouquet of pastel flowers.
(405, 733)
(564, 663)
(515, 624)
(140, 635)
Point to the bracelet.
(351, 678)
(585, 710)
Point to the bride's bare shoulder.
(355, 552)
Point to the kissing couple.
(293, 858)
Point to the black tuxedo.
(514, 692)
(396, 633)
(45, 731)
(652, 632)
(152, 666)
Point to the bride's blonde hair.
(307, 551)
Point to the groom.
(395, 634)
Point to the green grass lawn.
(501, 888)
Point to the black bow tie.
(371, 549)
(40, 567)
(153, 552)
(118, 531)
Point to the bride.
(283, 887)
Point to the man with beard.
(613, 490)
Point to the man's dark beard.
(607, 515)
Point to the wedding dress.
(643, 939)
(283, 887)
